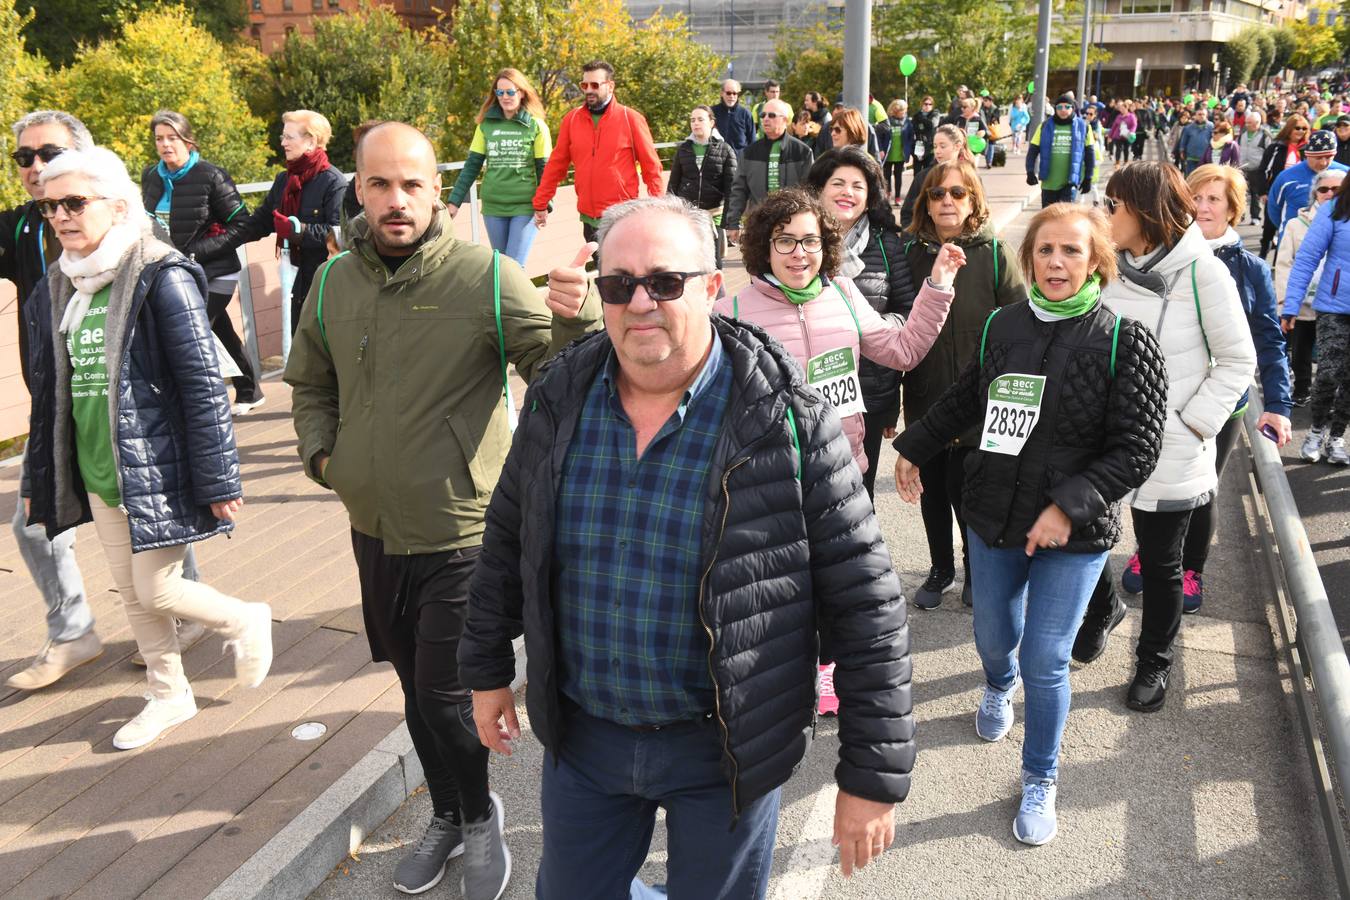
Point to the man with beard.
(400, 407)
(611, 147)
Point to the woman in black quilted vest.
(193, 199)
(1071, 402)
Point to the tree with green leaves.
(59, 27)
(987, 46)
(1316, 46)
(1239, 57)
(20, 82)
(1285, 45)
(659, 69)
(367, 65)
(162, 60)
(1265, 43)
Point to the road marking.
(810, 864)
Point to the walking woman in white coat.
(1172, 282)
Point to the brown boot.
(55, 660)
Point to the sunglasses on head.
(592, 85)
(509, 92)
(72, 205)
(24, 156)
(957, 191)
(660, 286)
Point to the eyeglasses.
(509, 92)
(837, 129)
(660, 286)
(772, 115)
(72, 205)
(1327, 189)
(732, 93)
(1112, 204)
(1063, 106)
(786, 245)
(24, 156)
(592, 85)
(957, 191)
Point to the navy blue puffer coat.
(173, 436)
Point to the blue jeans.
(513, 235)
(599, 798)
(1027, 613)
(1066, 194)
(52, 565)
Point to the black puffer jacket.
(203, 197)
(173, 437)
(796, 569)
(1097, 439)
(26, 245)
(886, 283)
(707, 186)
(320, 210)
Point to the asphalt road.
(1208, 798)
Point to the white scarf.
(855, 242)
(92, 273)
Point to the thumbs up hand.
(567, 285)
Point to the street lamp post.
(857, 52)
(1083, 51)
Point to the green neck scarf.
(1079, 303)
(802, 295)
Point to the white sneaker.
(189, 633)
(1311, 451)
(253, 647)
(157, 717)
(1337, 455)
(243, 409)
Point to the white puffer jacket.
(1200, 396)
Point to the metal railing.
(246, 305)
(1312, 639)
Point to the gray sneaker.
(422, 869)
(487, 862)
(1337, 454)
(1311, 451)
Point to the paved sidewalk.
(1211, 797)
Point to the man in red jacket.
(609, 144)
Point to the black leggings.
(1301, 342)
(245, 385)
(875, 423)
(1161, 536)
(893, 173)
(1201, 530)
(942, 478)
(414, 609)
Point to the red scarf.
(300, 170)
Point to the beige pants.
(155, 593)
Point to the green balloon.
(976, 143)
(908, 64)
(1031, 87)
(1188, 99)
(1212, 102)
(984, 92)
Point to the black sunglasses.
(937, 193)
(660, 286)
(73, 205)
(1111, 203)
(24, 156)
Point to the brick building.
(271, 20)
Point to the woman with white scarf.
(131, 426)
(852, 188)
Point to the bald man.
(775, 161)
(401, 408)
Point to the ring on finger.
(1054, 543)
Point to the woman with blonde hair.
(1081, 429)
(511, 145)
(952, 209)
(309, 191)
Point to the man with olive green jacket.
(398, 369)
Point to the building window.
(257, 5)
(256, 33)
(317, 5)
(288, 5)
(334, 4)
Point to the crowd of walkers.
(678, 518)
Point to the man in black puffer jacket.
(677, 580)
